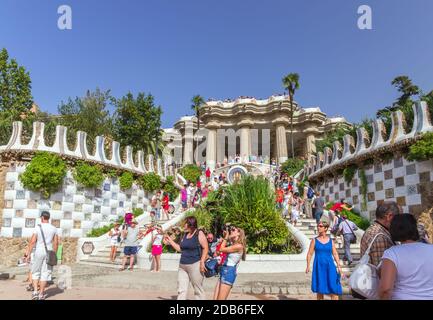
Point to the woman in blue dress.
(326, 277)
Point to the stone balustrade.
(37, 143)
(329, 160)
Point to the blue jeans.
(318, 215)
(347, 237)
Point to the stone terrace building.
(250, 119)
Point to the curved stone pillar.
(397, 129)
(159, 167)
(151, 167)
(348, 145)
(60, 144)
(424, 123)
(129, 158)
(141, 165)
(82, 145)
(336, 151)
(15, 139)
(115, 154)
(378, 132)
(100, 150)
(361, 140)
(328, 157)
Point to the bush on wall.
(349, 173)
(171, 188)
(422, 149)
(150, 181)
(44, 173)
(191, 172)
(292, 166)
(89, 176)
(126, 180)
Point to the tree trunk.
(291, 125)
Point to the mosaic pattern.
(410, 184)
(74, 210)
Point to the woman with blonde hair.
(326, 278)
(235, 251)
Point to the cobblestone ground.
(92, 282)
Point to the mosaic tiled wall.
(410, 184)
(74, 210)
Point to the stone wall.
(74, 210)
(12, 249)
(408, 183)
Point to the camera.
(228, 227)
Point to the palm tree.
(197, 104)
(291, 84)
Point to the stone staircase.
(309, 228)
(102, 257)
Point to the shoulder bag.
(364, 280)
(51, 255)
(353, 240)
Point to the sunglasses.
(321, 226)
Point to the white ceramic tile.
(6, 232)
(10, 194)
(400, 191)
(11, 176)
(389, 184)
(27, 232)
(56, 214)
(413, 199)
(424, 166)
(18, 223)
(96, 217)
(8, 213)
(31, 213)
(20, 204)
(88, 208)
(77, 215)
(399, 172)
(66, 224)
(58, 196)
(79, 199)
(412, 179)
(68, 206)
(76, 233)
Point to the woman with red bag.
(165, 206)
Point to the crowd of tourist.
(397, 246)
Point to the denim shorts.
(130, 251)
(228, 275)
(184, 204)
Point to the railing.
(330, 159)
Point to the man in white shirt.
(41, 271)
(215, 183)
(347, 228)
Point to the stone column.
(245, 142)
(188, 148)
(211, 148)
(310, 145)
(280, 131)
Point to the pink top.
(128, 218)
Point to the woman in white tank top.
(235, 252)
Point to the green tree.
(15, 96)
(197, 104)
(403, 103)
(291, 84)
(89, 114)
(137, 122)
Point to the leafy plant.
(191, 172)
(363, 187)
(126, 180)
(250, 205)
(150, 181)
(44, 173)
(292, 166)
(89, 176)
(422, 149)
(112, 173)
(349, 173)
(361, 222)
(97, 232)
(204, 218)
(171, 188)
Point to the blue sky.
(222, 49)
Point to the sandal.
(30, 288)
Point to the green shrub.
(191, 172)
(361, 222)
(292, 166)
(97, 232)
(150, 181)
(126, 180)
(171, 188)
(112, 173)
(44, 173)
(422, 149)
(204, 219)
(89, 176)
(250, 205)
(349, 173)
